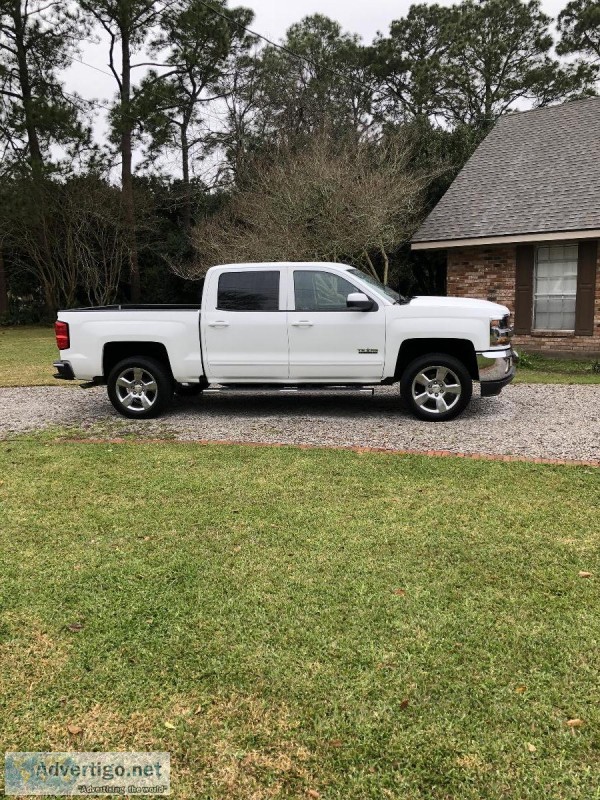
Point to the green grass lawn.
(537, 369)
(293, 624)
(26, 356)
(27, 353)
(551, 376)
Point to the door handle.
(303, 323)
(220, 323)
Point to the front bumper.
(64, 371)
(496, 369)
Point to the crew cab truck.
(288, 326)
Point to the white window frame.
(563, 295)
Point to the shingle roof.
(537, 171)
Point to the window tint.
(321, 291)
(555, 287)
(248, 291)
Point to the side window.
(321, 291)
(249, 290)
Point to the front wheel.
(436, 387)
(139, 387)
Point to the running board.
(303, 389)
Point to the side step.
(306, 388)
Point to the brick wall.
(489, 273)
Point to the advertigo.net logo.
(70, 774)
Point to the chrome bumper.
(496, 369)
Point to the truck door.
(244, 326)
(328, 341)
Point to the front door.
(245, 329)
(329, 342)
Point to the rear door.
(244, 326)
(328, 341)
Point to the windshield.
(377, 285)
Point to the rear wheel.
(436, 387)
(140, 387)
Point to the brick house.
(521, 225)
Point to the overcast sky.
(272, 18)
(365, 17)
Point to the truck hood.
(457, 306)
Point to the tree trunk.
(126, 173)
(35, 153)
(185, 169)
(386, 265)
(370, 265)
(3, 286)
(37, 204)
(489, 105)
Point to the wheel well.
(459, 348)
(117, 351)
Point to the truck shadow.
(246, 405)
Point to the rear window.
(248, 291)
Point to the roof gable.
(536, 172)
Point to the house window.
(555, 287)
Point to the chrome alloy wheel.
(136, 389)
(436, 389)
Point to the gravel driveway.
(533, 420)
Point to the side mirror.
(358, 301)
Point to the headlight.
(500, 331)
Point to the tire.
(436, 387)
(140, 387)
(189, 390)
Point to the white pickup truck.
(286, 327)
